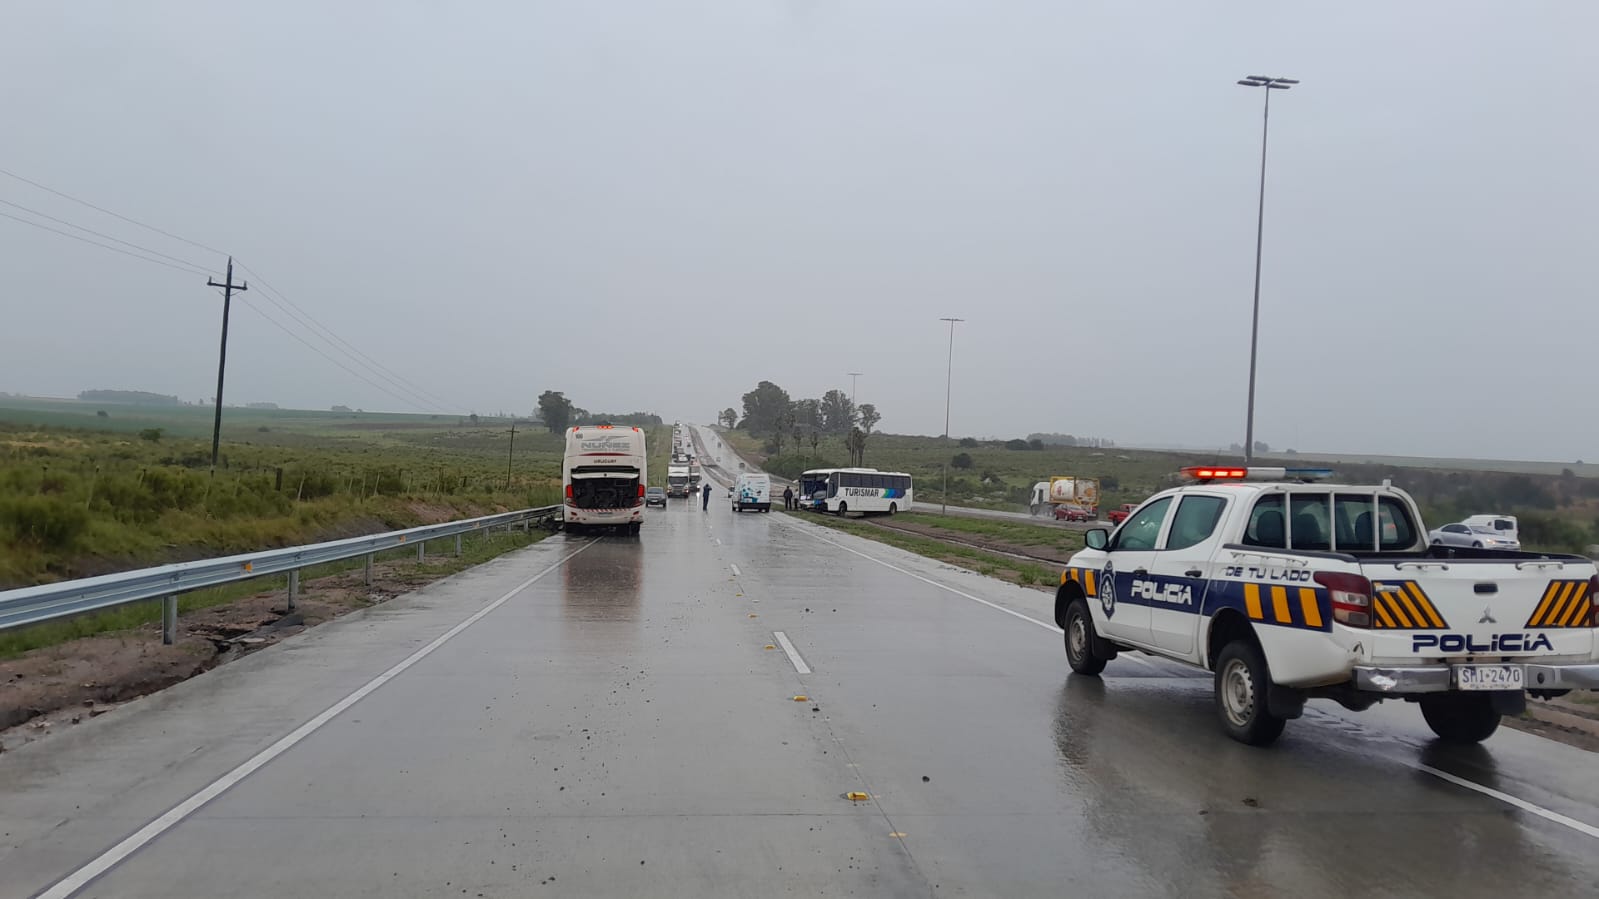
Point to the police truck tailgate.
(1483, 609)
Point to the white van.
(753, 491)
(603, 476)
(1503, 525)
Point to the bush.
(791, 465)
(1110, 482)
(151, 434)
(961, 460)
(48, 522)
(101, 414)
(1017, 444)
(969, 442)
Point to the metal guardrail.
(47, 602)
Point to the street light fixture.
(1270, 84)
(949, 380)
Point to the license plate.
(1490, 677)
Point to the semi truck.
(677, 480)
(1078, 496)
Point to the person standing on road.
(788, 498)
(705, 497)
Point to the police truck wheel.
(1464, 718)
(1080, 640)
(1241, 684)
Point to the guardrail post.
(294, 587)
(458, 546)
(169, 620)
(368, 576)
(421, 550)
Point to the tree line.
(557, 413)
(771, 413)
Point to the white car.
(1474, 537)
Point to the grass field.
(82, 494)
(1557, 505)
(1006, 568)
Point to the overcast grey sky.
(657, 204)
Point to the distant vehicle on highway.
(1288, 591)
(864, 490)
(677, 480)
(655, 496)
(1478, 537)
(1078, 493)
(1117, 516)
(752, 491)
(1072, 513)
(1503, 525)
(602, 477)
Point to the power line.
(316, 328)
(98, 234)
(318, 350)
(132, 221)
(333, 338)
(186, 267)
(417, 398)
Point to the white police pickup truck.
(1290, 589)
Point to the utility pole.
(1269, 84)
(509, 455)
(228, 287)
(852, 376)
(949, 380)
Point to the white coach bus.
(603, 476)
(865, 490)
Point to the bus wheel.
(843, 509)
(892, 508)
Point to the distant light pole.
(1269, 84)
(852, 376)
(949, 381)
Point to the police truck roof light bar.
(1254, 473)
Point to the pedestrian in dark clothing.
(788, 498)
(705, 497)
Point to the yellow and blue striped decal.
(1285, 605)
(1087, 578)
(1403, 605)
(1564, 604)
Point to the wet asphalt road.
(617, 728)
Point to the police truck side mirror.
(1097, 538)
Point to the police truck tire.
(1080, 640)
(1464, 718)
(1242, 683)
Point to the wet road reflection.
(605, 582)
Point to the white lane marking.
(793, 654)
(717, 540)
(736, 572)
(1030, 620)
(1524, 805)
(80, 878)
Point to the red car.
(1117, 516)
(1067, 513)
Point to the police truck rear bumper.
(1440, 678)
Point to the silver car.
(1475, 537)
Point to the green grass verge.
(475, 550)
(1016, 533)
(1005, 568)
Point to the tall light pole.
(852, 376)
(1269, 84)
(949, 380)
